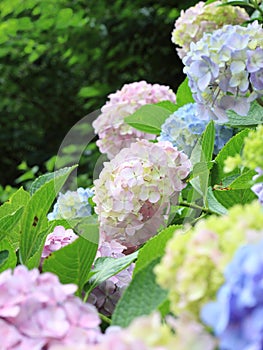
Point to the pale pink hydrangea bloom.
(135, 189)
(203, 18)
(58, 239)
(37, 311)
(114, 134)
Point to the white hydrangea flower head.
(135, 189)
(114, 134)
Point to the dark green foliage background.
(60, 58)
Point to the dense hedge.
(59, 60)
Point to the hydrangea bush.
(164, 251)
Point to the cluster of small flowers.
(151, 333)
(107, 294)
(236, 316)
(134, 190)
(225, 70)
(59, 238)
(200, 19)
(72, 204)
(37, 312)
(192, 268)
(114, 134)
(184, 127)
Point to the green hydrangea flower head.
(192, 268)
(200, 19)
(253, 149)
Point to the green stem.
(195, 206)
(257, 7)
(105, 318)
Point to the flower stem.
(195, 206)
(105, 318)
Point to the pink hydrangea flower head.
(114, 134)
(37, 311)
(135, 189)
(202, 18)
(58, 239)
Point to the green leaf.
(232, 147)
(8, 257)
(154, 248)
(237, 3)
(63, 18)
(107, 267)
(208, 142)
(184, 94)
(4, 254)
(8, 222)
(41, 180)
(213, 203)
(89, 91)
(202, 154)
(148, 118)
(142, 296)
(253, 118)
(228, 198)
(34, 221)
(200, 168)
(19, 199)
(244, 181)
(72, 263)
(167, 105)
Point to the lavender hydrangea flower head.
(72, 204)
(108, 293)
(200, 19)
(37, 312)
(184, 127)
(134, 190)
(114, 134)
(225, 70)
(193, 266)
(237, 315)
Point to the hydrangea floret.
(193, 267)
(225, 70)
(135, 189)
(236, 315)
(184, 127)
(37, 311)
(72, 204)
(114, 134)
(200, 19)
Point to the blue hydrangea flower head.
(237, 315)
(225, 70)
(184, 127)
(72, 204)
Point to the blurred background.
(59, 59)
